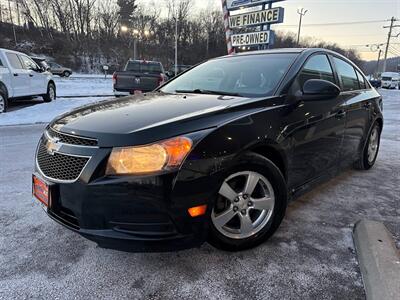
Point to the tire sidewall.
(368, 165)
(47, 96)
(257, 163)
(4, 95)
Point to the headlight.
(165, 155)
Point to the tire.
(66, 74)
(3, 101)
(370, 151)
(51, 93)
(265, 215)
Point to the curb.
(379, 260)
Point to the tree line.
(86, 34)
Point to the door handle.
(16, 74)
(341, 114)
(30, 75)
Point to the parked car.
(216, 153)
(390, 80)
(376, 83)
(181, 68)
(59, 70)
(138, 76)
(21, 77)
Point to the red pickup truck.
(138, 76)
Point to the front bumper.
(131, 215)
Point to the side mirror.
(318, 89)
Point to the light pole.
(136, 35)
(374, 48)
(302, 12)
(176, 46)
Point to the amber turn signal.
(197, 210)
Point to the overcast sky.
(339, 11)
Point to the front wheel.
(66, 74)
(3, 101)
(371, 149)
(250, 204)
(51, 93)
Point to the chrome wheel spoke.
(246, 225)
(223, 218)
(244, 215)
(227, 191)
(265, 203)
(251, 183)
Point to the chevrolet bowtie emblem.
(53, 145)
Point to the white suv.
(21, 77)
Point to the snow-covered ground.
(84, 85)
(72, 92)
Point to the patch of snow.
(45, 112)
(84, 85)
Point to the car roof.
(145, 61)
(12, 51)
(284, 50)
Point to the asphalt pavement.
(311, 256)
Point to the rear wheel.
(66, 74)
(250, 204)
(3, 101)
(51, 93)
(371, 149)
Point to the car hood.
(150, 117)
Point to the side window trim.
(329, 61)
(339, 77)
(366, 82)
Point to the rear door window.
(317, 67)
(361, 81)
(347, 75)
(144, 67)
(14, 61)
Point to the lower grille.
(60, 166)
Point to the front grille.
(60, 166)
(70, 139)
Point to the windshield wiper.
(201, 91)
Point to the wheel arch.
(4, 88)
(379, 120)
(51, 81)
(273, 154)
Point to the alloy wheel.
(244, 206)
(373, 145)
(2, 104)
(52, 93)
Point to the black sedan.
(214, 155)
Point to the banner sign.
(242, 3)
(268, 16)
(252, 38)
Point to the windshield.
(387, 78)
(247, 76)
